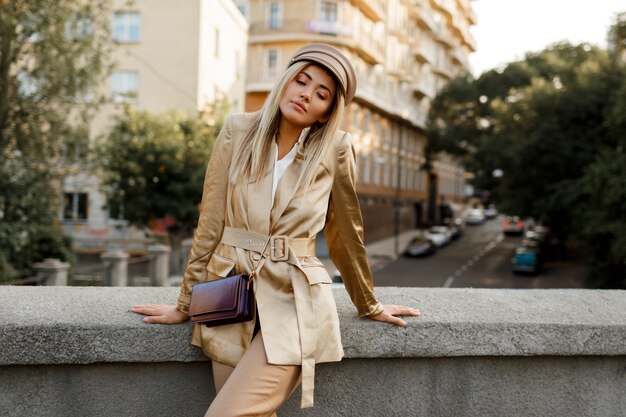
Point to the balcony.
(401, 31)
(445, 6)
(385, 97)
(444, 69)
(518, 353)
(373, 9)
(369, 46)
(261, 80)
(444, 37)
(468, 40)
(458, 23)
(261, 32)
(424, 52)
(458, 56)
(425, 18)
(423, 87)
(364, 40)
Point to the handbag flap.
(214, 296)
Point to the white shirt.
(280, 166)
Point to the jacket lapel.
(260, 199)
(286, 187)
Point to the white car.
(474, 216)
(491, 212)
(439, 235)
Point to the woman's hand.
(160, 313)
(390, 312)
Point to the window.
(366, 121)
(328, 11)
(378, 167)
(274, 15)
(124, 86)
(217, 43)
(243, 8)
(75, 206)
(355, 116)
(126, 26)
(272, 61)
(367, 165)
(418, 179)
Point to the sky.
(507, 29)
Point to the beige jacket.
(295, 303)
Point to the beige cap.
(332, 59)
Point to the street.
(481, 258)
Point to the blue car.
(526, 259)
(419, 247)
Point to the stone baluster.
(160, 264)
(54, 270)
(117, 268)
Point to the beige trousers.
(254, 387)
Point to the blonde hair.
(251, 161)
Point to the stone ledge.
(76, 325)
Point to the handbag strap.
(259, 263)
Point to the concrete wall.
(81, 352)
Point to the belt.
(279, 244)
(280, 249)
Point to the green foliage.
(554, 124)
(603, 228)
(603, 186)
(51, 55)
(154, 165)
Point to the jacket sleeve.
(212, 214)
(344, 233)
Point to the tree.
(52, 55)
(603, 185)
(553, 123)
(154, 166)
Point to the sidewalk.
(381, 252)
(386, 247)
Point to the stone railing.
(81, 352)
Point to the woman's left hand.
(390, 312)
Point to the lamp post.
(397, 205)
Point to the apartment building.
(403, 52)
(169, 55)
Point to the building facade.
(168, 56)
(403, 51)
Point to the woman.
(285, 172)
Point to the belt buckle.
(279, 248)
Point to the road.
(481, 258)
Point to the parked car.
(440, 235)
(474, 216)
(456, 231)
(512, 225)
(526, 259)
(541, 234)
(491, 212)
(456, 226)
(544, 236)
(420, 246)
